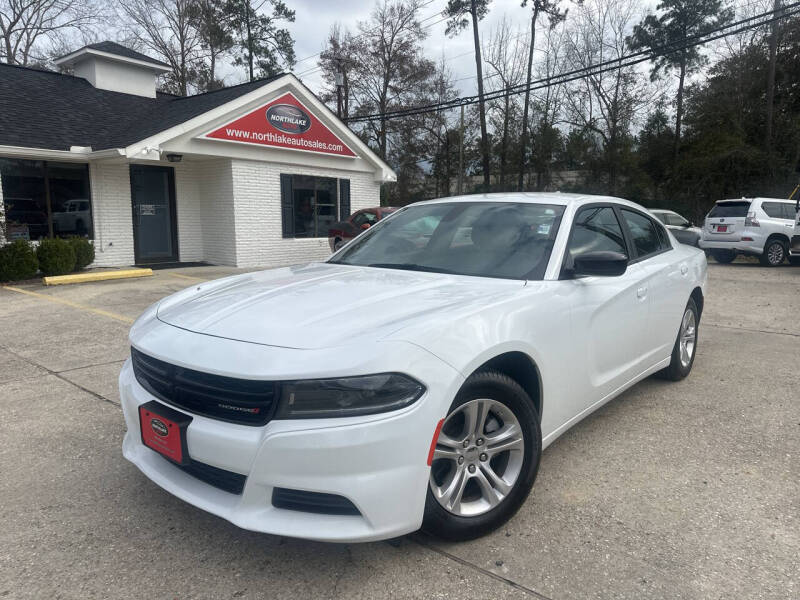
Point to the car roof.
(556, 198)
(662, 210)
(756, 199)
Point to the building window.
(46, 199)
(310, 205)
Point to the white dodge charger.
(414, 378)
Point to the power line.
(596, 69)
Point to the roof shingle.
(43, 109)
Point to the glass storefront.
(46, 199)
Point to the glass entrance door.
(154, 221)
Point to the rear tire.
(775, 253)
(685, 348)
(723, 257)
(486, 458)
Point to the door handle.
(641, 293)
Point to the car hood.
(325, 305)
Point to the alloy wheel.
(775, 253)
(478, 457)
(688, 337)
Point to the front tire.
(685, 348)
(774, 253)
(485, 460)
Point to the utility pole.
(339, 85)
(773, 59)
(461, 155)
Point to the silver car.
(683, 229)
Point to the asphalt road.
(687, 490)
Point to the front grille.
(312, 502)
(226, 481)
(243, 401)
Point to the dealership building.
(248, 175)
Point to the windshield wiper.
(410, 267)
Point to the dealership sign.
(283, 123)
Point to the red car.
(342, 232)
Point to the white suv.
(760, 227)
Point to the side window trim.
(633, 253)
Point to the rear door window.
(730, 209)
(773, 209)
(675, 219)
(644, 233)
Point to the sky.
(314, 19)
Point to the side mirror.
(365, 226)
(600, 264)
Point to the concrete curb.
(98, 276)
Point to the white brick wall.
(190, 211)
(112, 214)
(229, 212)
(2, 211)
(219, 228)
(257, 196)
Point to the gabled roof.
(43, 109)
(114, 48)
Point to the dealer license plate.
(164, 430)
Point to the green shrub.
(56, 256)
(84, 252)
(17, 261)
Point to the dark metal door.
(155, 232)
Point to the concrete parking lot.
(687, 490)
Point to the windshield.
(507, 240)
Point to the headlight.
(347, 396)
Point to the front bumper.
(378, 462)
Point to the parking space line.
(83, 307)
(187, 277)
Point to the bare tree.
(215, 32)
(462, 14)
(505, 54)
(439, 130)
(538, 8)
(605, 103)
(549, 102)
(166, 28)
(389, 70)
(26, 25)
